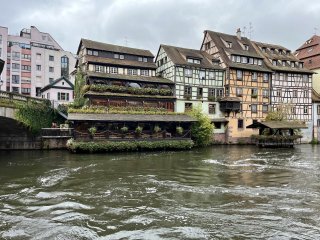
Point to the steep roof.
(113, 48)
(53, 84)
(315, 96)
(179, 56)
(237, 48)
(308, 51)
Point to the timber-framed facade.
(198, 79)
(247, 79)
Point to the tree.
(281, 114)
(202, 130)
(79, 89)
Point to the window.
(246, 47)
(15, 79)
(265, 93)
(219, 92)
(233, 58)
(99, 68)
(38, 56)
(51, 80)
(212, 75)
(15, 89)
(51, 58)
(51, 69)
(199, 92)
(254, 76)
(293, 110)
(259, 62)
(305, 93)
(264, 49)
(227, 90)
(292, 64)
(305, 78)
(188, 72)
(238, 59)
(254, 108)
(217, 125)
(132, 72)
(26, 68)
(239, 92)
(26, 90)
(145, 59)
(140, 59)
(229, 44)
(265, 108)
(310, 61)
(65, 66)
(63, 96)
(240, 123)
(278, 93)
(92, 52)
(202, 75)
(38, 93)
(187, 106)
(207, 45)
(274, 62)
(121, 56)
(244, 60)
(0, 39)
(318, 109)
(15, 56)
(265, 77)
(191, 60)
(301, 65)
(283, 63)
(114, 70)
(318, 123)
(144, 72)
(239, 75)
(26, 56)
(15, 66)
(250, 60)
(212, 109)
(187, 91)
(38, 67)
(305, 110)
(89, 52)
(254, 92)
(295, 93)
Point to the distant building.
(33, 60)
(247, 82)
(59, 91)
(198, 81)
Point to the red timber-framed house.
(291, 84)
(121, 82)
(247, 82)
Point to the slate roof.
(310, 50)
(221, 38)
(129, 117)
(119, 62)
(52, 85)
(278, 125)
(134, 78)
(113, 48)
(179, 57)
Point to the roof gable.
(54, 84)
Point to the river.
(221, 192)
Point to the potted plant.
(123, 130)
(138, 131)
(156, 129)
(179, 130)
(92, 131)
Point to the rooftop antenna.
(315, 30)
(126, 41)
(244, 31)
(250, 30)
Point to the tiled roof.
(236, 49)
(310, 50)
(114, 48)
(129, 117)
(119, 62)
(179, 56)
(134, 78)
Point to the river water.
(221, 192)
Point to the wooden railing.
(57, 132)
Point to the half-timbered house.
(198, 79)
(247, 82)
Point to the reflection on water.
(221, 192)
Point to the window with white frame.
(265, 77)
(114, 70)
(145, 59)
(63, 96)
(132, 71)
(305, 110)
(239, 92)
(188, 72)
(99, 68)
(144, 72)
(265, 108)
(254, 108)
(254, 76)
(15, 79)
(212, 75)
(202, 75)
(305, 93)
(265, 93)
(239, 75)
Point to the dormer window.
(92, 52)
(300, 65)
(259, 62)
(292, 64)
(264, 49)
(274, 62)
(229, 44)
(191, 60)
(246, 47)
(272, 50)
(288, 52)
(283, 63)
(233, 58)
(280, 51)
(118, 56)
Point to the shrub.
(124, 129)
(156, 129)
(125, 146)
(138, 130)
(92, 131)
(179, 130)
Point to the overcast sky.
(148, 23)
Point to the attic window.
(309, 41)
(280, 51)
(300, 65)
(229, 44)
(288, 52)
(191, 60)
(264, 49)
(274, 62)
(283, 63)
(292, 64)
(246, 47)
(272, 50)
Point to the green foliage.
(156, 129)
(281, 114)
(79, 90)
(124, 129)
(314, 141)
(202, 130)
(275, 137)
(138, 130)
(35, 115)
(92, 131)
(121, 110)
(179, 130)
(126, 146)
(130, 90)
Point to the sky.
(148, 23)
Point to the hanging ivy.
(35, 115)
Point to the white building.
(33, 60)
(198, 81)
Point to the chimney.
(239, 33)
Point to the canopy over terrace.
(276, 133)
